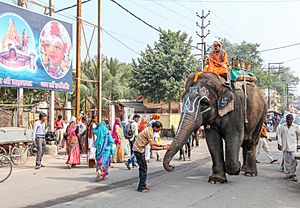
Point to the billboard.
(35, 50)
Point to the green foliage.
(31, 96)
(249, 52)
(162, 70)
(115, 76)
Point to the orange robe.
(218, 63)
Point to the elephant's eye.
(204, 103)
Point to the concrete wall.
(169, 120)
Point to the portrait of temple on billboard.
(55, 49)
(17, 43)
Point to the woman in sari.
(72, 148)
(117, 135)
(104, 150)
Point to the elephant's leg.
(215, 146)
(249, 148)
(244, 158)
(232, 150)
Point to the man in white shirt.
(288, 135)
(135, 129)
(39, 138)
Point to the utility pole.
(52, 93)
(202, 36)
(78, 61)
(99, 61)
(290, 87)
(273, 66)
(20, 91)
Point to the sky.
(271, 23)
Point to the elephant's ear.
(225, 102)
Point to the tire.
(5, 168)
(19, 155)
(3, 151)
(31, 150)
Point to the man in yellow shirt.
(146, 137)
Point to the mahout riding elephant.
(207, 101)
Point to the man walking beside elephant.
(288, 134)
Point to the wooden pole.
(99, 62)
(52, 93)
(78, 60)
(20, 94)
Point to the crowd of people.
(104, 144)
(140, 140)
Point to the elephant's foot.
(215, 178)
(250, 173)
(233, 169)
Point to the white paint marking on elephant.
(207, 109)
(204, 91)
(187, 104)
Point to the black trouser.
(142, 170)
(131, 146)
(41, 148)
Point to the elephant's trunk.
(186, 128)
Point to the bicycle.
(18, 153)
(5, 168)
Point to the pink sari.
(73, 149)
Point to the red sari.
(73, 149)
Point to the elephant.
(221, 110)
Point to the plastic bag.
(126, 149)
(92, 153)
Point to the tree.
(115, 76)
(31, 96)
(278, 79)
(249, 52)
(161, 71)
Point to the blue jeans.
(142, 170)
(132, 157)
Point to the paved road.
(187, 186)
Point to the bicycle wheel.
(5, 168)
(2, 151)
(19, 155)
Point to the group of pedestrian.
(287, 139)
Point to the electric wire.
(290, 60)
(156, 13)
(143, 21)
(146, 23)
(120, 42)
(278, 48)
(163, 6)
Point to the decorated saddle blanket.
(238, 75)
